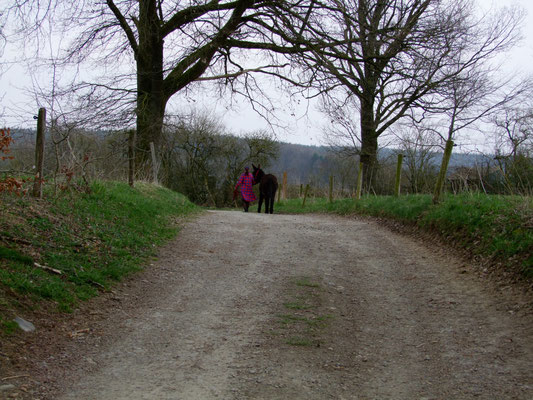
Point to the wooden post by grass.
(359, 181)
(154, 162)
(398, 175)
(443, 170)
(305, 194)
(301, 189)
(284, 185)
(39, 154)
(331, 188)
(279, 193)
(131, 157)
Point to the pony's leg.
(260, 202)
(267, 202)
(273, 198)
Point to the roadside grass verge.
(92, 240)
(496, 227)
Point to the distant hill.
(299, 161)
(304, 162)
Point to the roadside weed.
(302, 324)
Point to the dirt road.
(248, 306)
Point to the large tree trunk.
(369, 143)
(150, 113)
(369, 149)
(151, 101)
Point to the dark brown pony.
(268, 185)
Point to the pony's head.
(258, 173)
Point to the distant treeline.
(203, 164)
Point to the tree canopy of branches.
(397, 53)
(417, 144)
(515, 146)
(374, 58)
(153, 49)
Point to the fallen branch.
(94, 283)
(79, 333)
(48, 269)
(14, 377)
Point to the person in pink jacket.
(246, 182)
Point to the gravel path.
(248, 306)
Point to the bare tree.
(418, 145)
(381, 71)
(153, 49)
(473, 92)
(405, 50)
(3, 41)
(514, 147)
(514, 130)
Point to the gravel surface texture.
(255, 306)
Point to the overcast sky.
(305, 126)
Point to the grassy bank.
(90, 240)
(499, 227)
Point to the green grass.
(287, 319)
(94, 239)
(296, 305)
(498, 227)
(8, 327)
(301, 341)
(306, 281)
(14, 255)
(301, 322)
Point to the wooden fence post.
(305, 194)
(155, 167)
(279, 193)
(284, 185)
(398, 175)
(39, 154)
(301, 189)
(442, 172)
(359, 181)
(331, 188)
(131, 157)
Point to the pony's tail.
(273, 189)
